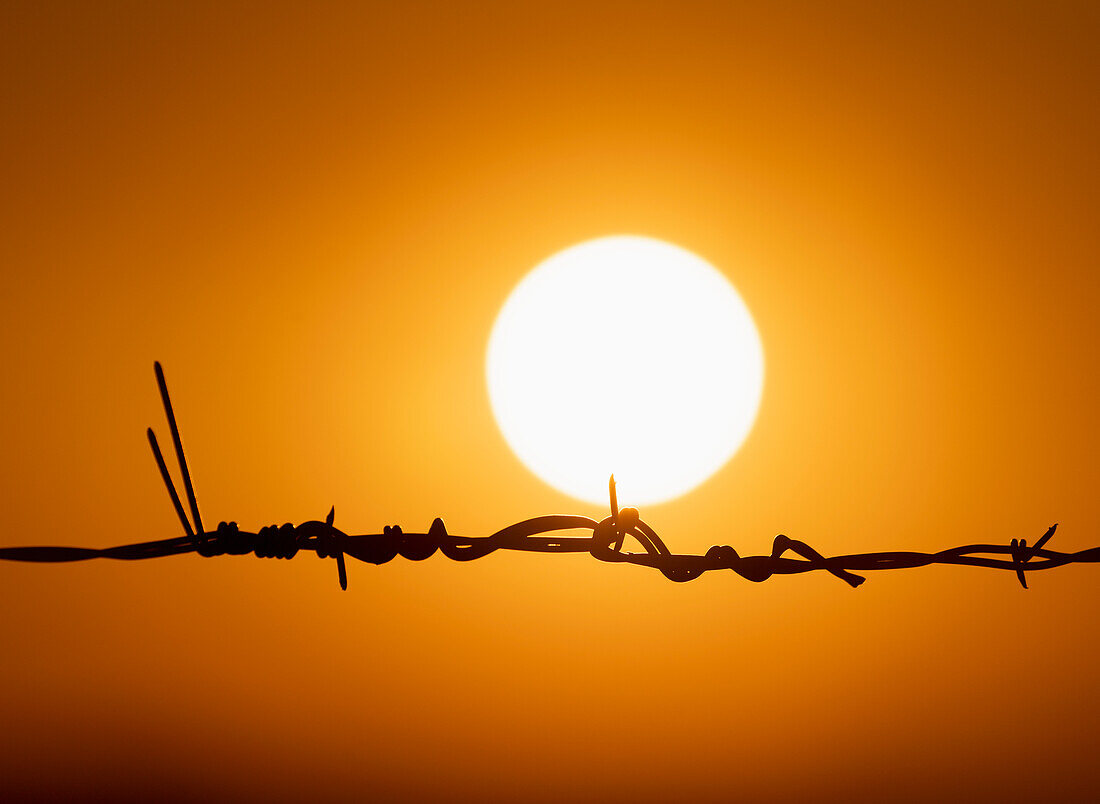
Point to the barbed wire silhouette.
(606, 541)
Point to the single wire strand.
(187, 487)
(168, 484)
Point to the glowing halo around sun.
(628, 355)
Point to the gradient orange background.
(312, 217)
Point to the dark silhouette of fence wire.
(544, 534)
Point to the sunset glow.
(828, 271)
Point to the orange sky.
(312, 218)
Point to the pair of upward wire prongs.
(196, 532)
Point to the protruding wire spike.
(168, 483)
(342, 569)
(614, 498)
(618, 544)
(1019, 557)
(1039, 545)
(187, 487)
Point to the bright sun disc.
(627, 355)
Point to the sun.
(625, 355)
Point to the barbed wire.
(607, 541)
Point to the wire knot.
(277, 541)
(226, 539)
(326, 543)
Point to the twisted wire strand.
(606, 541)
(531, 535)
